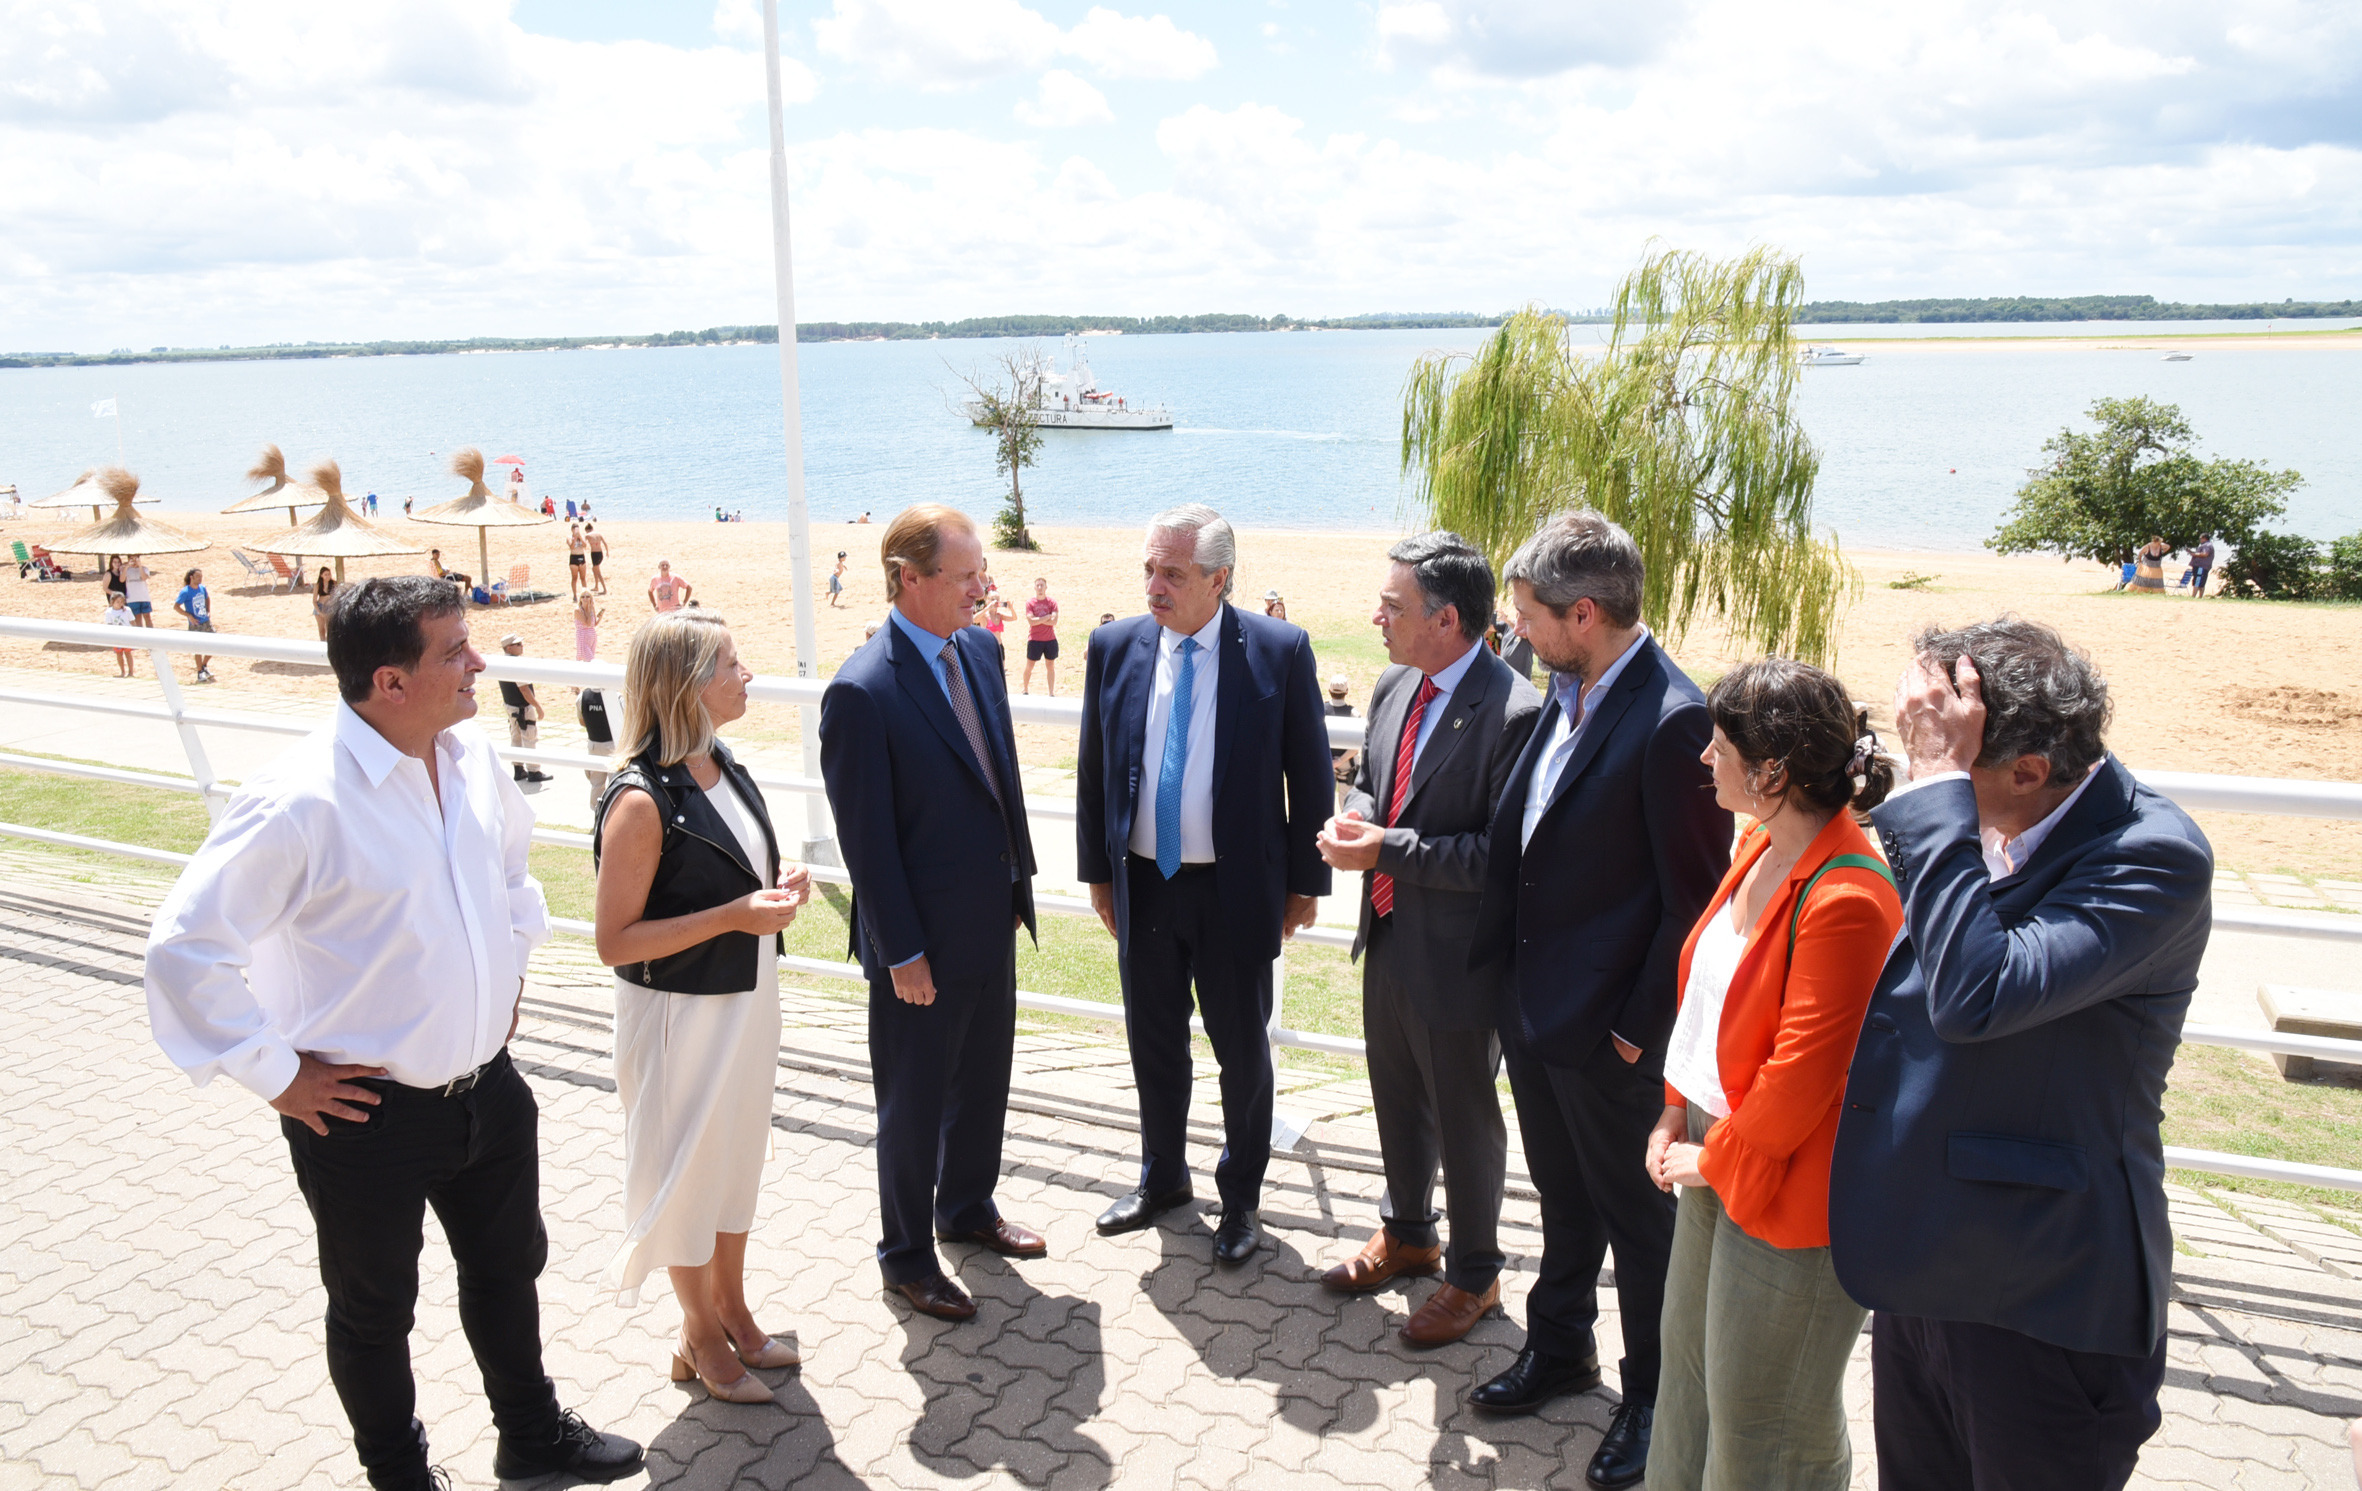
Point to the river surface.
(1922, 445)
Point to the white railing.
(2193, 791)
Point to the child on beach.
(118, 613)
(587, 617)
(836, 580)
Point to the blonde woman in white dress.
(691, 897)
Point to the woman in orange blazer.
(1774, 983)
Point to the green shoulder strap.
(1837, 862)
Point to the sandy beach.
(2252, 688)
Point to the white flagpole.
(819, 833)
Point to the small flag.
(102, 408)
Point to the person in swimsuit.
(577, 561)
(2149, 577)
(836, 580)
(598, 550)
(323, 599)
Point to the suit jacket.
(1999, 1159)
(1787, 1032)
(1271, 780)
(1591, 916)
(1436, 850)
(929, 850)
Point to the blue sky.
(200, 171)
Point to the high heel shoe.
(772, 1353)
(748, 1388)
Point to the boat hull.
(1097, 419)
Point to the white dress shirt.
(1693, 1056)
(1447, 682)
(1197, 777)
(339, 910)
(2005, 857)
(1566, 731)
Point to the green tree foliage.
(2068, 308)
(2103, 492)
(1009, 406)
(1682, 428)
(2344, 578)
(2275, 566)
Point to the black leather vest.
(700, 867)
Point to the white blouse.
(1691, 1065)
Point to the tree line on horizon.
(1807, 313)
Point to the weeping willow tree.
(1682, 428)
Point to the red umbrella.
(508, 460)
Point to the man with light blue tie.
(1202, 785)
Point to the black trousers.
(1178, 938)
(476, 1159)
(1433, 1095)
(1586, 1139)
(1966, 1407)
(941, 1075)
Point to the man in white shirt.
(350, 944)
(1201, 785)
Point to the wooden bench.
(2328, 1012)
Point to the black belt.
(1139, 862)
(465, 1082)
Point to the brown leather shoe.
(938, 1297)
(1005, 1238)
(1450, 1313)
(1381, 1259)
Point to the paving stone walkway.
(161, 1319)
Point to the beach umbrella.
(272, 467)
(336, 531)
(508, 460)
(479, 510)
(125, 531)
(85, 492)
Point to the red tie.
(1382, 885)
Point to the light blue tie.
(1176, 761)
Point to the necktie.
(1176, 760)
(963, 709)
(1381, 884)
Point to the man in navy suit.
(1605, 849)
(921, 765)
(1201, 789)
(1997, 1195)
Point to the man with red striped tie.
(1447, 724)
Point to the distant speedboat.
(2175, 357)
(1829, 357)
(1073, 400)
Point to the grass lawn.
(2217, 1098)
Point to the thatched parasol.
(336, 531)
(272, 467)
(126, 532)
(85, 492)
(479, 509)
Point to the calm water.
(1922, 448)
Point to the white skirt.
(696, 1074)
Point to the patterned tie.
(1176, 760)
(963, 708)
(1381, 884)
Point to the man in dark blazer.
(1997, 1194)
(920, 761)
(1201, 788)
(1605, 850)
(1447, 724)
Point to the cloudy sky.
(200, 171)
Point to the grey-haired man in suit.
(1448, 722)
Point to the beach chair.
(24, 558)
(517, 589)
(283, 570)
(45, 566)
(254, 571)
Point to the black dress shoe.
(1535, 1378)
(1236, 1240)
(577, 1449)
(1622, 1457)
(1139, 1209)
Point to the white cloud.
(940, 45)
(1064, 101)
